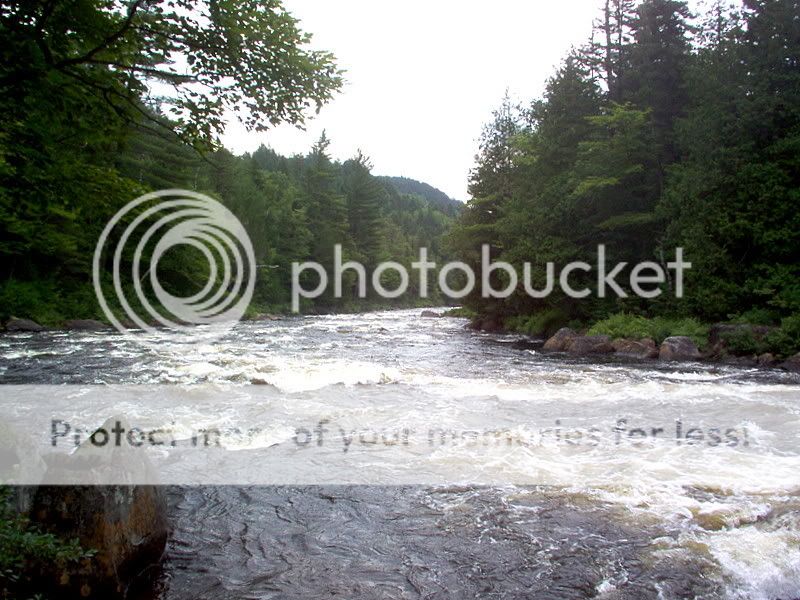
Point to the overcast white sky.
(424, 76)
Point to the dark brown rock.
(767, 360)
(792, 363)
(561, 340)
(85, 325)
(590, 344)
(644, 348)
(678, 347)
(21, 325)
(125, 525)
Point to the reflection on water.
(651, 519)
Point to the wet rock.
(266, 317)
(126, 525)
(590, 344)
(561, 340)
(430, 314)
(23, 325)
(767, 360)
(85, 325)
(678, 347)
(792, 363)
(643, 348)
(489, 324)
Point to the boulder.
(792, 363)
(85, 325)
(767, 360)
(644, 348)
(489, 324)
(430, 314)
(23, 325)
(561, 340)
(678, 347)
(590, 344)
(125, 525)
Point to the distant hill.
(434, 196)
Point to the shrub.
(26, 551)
(785, 341)
(543, 323)
(623, 325)
(461, 312)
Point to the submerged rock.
(561, 340)
(23, 325)
(643, 348)
(590, 344)
(85, 325)
(678, 347)
(430, 314)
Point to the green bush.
(26, 551)
(461, 312)
(743, 343)
(541, 324)
(623, 325)
(785, 341)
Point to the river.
(615, 479)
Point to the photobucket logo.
(149, 227)
(646, 279)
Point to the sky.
(422, 78)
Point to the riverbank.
(670, 339)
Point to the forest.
(665, 130)
(85, 129)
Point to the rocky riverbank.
(723, 345)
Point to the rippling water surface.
(601, 502)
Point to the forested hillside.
(82, 134)
(666, 129)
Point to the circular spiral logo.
(143, 232)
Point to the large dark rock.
(678, 347)
(488, 323)
(583, 345)
(792, 363)
(561, 340)
(644, 348)
(23, 325)
(126, 525)
(85, 325)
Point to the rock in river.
(643, 348)
(23, 325)
(561, 340)
(678, 347)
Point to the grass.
(623, 325)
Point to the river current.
(614, 479)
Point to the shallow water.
(601, 498)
